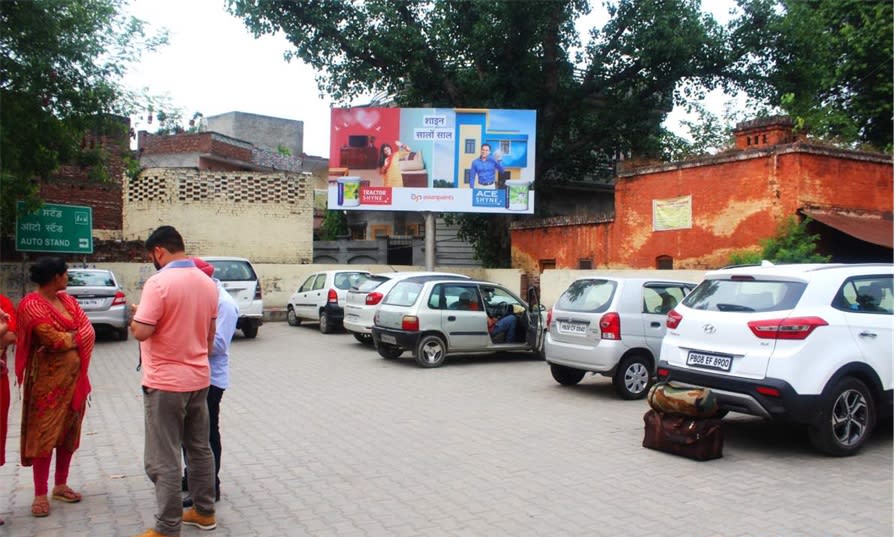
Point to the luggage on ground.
(671, 398)
(696, 438)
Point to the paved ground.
(323, 437)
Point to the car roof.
(79, 269)
(800, 270)
(221, 258)
(411, 274)
(438, 277)
(635, 279)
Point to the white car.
(321, 298)
(101, 297)
(361, 302)
(809, 344)
(238, 277)
(612, 326)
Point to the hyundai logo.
(709, 329)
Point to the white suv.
(809, 344)
(238, 277)
(321, 298)
(612, 326)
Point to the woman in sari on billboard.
(389, 165)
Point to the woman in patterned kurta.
(54, 344)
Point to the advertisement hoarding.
(465, 160)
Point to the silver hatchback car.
(434, 317)
(101, 297)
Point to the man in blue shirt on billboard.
(483, 170)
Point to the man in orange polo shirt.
(175, 324)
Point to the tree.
(334, 225)
(60, 72)
(594, 100)
(791, 244)
(828, 63)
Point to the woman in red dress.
(7, 338)
(54, 343)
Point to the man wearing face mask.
(175, 324)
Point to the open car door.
(534, 321)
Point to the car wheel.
(326, 325)
(848, 418)
(292, 318)
(123, 333)
(389, 352)
(632, 378)
(250, 330)
(364, 338)
(430, 351)
(566, 376)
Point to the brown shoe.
(40, 507)
(203, 522)
(64, 493)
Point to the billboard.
(464, 160)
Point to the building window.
(756, 140)
(547, 264)
(748, 140)
(470, 146)
(765, 138)
(505, 147)
(585, 264)
(380, 230)
(415, 230)
(664, 262)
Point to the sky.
(213, 65)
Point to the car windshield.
(233, 271)
(90, 279)
(587, 296)
(403, 294)
(745, 295)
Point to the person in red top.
(175, 325)
(7, 338)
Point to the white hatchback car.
(238, 277)
(321, 298)
(809, 344)
(612, 326)
(361, 302)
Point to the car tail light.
(372, 299)
(550, 317)
(332, 297)
(765, 390)
(119, 299)
(609, 326)
(673, 318)
(410, 323)
(257, 290)
(790, 328)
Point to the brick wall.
(737, 200)
(203, 142)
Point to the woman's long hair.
(383, 156)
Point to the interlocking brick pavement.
(322, 437)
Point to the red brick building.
(694, 214)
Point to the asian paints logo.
(431, 197)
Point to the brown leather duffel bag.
(696, 438)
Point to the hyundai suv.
(434, 317)
(612, 326)
(238, 277)
(809, 344)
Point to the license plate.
(90, 302)
(709, 361)
(386, 338)
(577, 329)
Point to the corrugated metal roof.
(873, 228)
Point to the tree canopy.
(61, 63)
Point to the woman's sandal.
(64, 493)
(40, 507)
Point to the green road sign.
(55, 229)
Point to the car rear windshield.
(90, 279)
(587, 296)
(403, 294)
(745, 295)
(233, 271)
(347, 280)
(371, 283)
